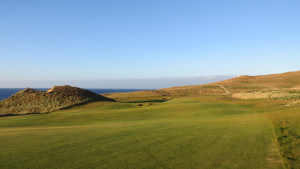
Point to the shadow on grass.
(147, 101)
(8, 115)
(84, 103)
(63, 108)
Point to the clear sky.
(96, 40)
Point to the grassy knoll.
(204, 132)
(30, 101)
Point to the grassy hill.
(289, 80)
(284, 83)
(31, 101)
(240, 123)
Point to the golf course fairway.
(183, 133)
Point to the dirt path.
(225, 90)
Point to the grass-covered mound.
(32, 101)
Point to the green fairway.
(186, 133)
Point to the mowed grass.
(186, 133)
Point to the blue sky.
(96, 40)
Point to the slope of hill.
(167, 93)
(285, 82)
(31, 101)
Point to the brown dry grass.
(264, 95)
(244, 87)
(184, 91)
(293, 103)
(284, 80)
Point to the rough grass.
(204, 132)
(283, 80)
(266, 95)
(246, 84)
(293, 103)
(31, 101)
(167, 93)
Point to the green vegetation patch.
(204, 132)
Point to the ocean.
(7, 92)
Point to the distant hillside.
(283, 80)
(286, 81)
(31, 101)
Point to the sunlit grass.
(204, 132)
